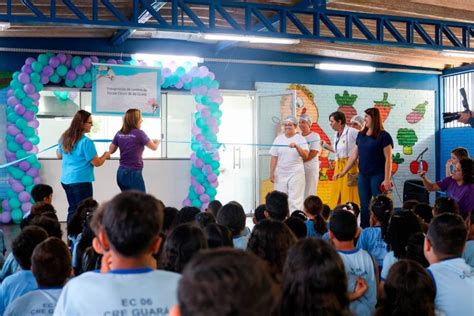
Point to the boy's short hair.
(260, 213)
(131, 221)
(232, 215)
(447, 234)
(50, 225)
(343, 225)
(227, 282)
(42, 207)
(218, 236)
(204, 218)
(51, 263)
(277, 206)
(214, 207)
(185, 215)
(24, 244)
(445, 205)
(169, 213)
(297, 226)
(424, 211)
(41, 191)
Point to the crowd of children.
(134, 256)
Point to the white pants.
(293, 185)
(311, 181)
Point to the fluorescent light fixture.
(4, 26)
(344, 67)
(152, 58)
(458, 53)
(249, 39)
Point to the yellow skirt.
(341, 192)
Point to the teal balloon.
(21, 154)
(196, 203)
(11, 194)
(207, 159)
(37, 66)
(35, 77)
(15, 75)
(195, 146)
(79, 83)
(27, 102)
(206, 81)
(180, 71)
(187, 86)
(215, 165)
(13, 146)
(69, 83)
(32, 159)
(76, 60)
(36, 165)
(54, 78)
(214, 84)
(17, 215)
(34, 139)
(198, 98)
(205, 100)
(12, 117)
(26, 180)
(29, 131)
(213, 106)
(14, 203)
(10, 138)
(197, 115)
(192, 195)
(15, 84)
(201, 122)
(16, 173)
(43, 59)
(61, 70)
(34, 109)
(196, 82)
(87, 77)
(217, 114)
(21, 123)
(29, 187)
(195, 171)
(211, 191)
(19, 93)
(50, 54)
(38, 86)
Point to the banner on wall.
(117, 88)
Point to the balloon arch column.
(75, 71)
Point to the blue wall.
(452, 138)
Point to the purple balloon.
(205, 113)
(24, 165)
(17, 187)
(200, 138)
(24, 196)
(54, 62)
(87, 61)
(193, 157)
(4, 203)
(212, 177)
(71, 75)
(166, 72)
(30, 60)
(203, 71)
(27, 69)
(19, 109)
(20, 138)
(111, 61)
(214, 184)
(186, 202)
(29, 115)
(10, 92)
(207, 169)
(9, 155)
(44, 79)
(29, 88)
(33, 172)
(27, 146)
(208, 147)
(211, 75)
(34, 150)
(26, 207)
(6, 217)
(12, 101)
(80, 69)
(199, 163)
(33, 123)
(35, 96)
(37, 180)
(178, 85)
(199, 189)
(211, 121)
(95, 59)
(218, 100)
(24, 77)
(200, 107)
(62, 58)
(186, 78)
(212, 93)
(48, 71)
(204, 198)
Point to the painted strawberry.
(414, 166)
(346, 102)
(417, 114)
(384, 107)
(396, 160)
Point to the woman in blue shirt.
(374, 150)
(79, 157)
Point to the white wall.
(167, 179)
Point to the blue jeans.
(129, 179)
(76, 193)
(368, 187)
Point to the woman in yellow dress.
(344, 189)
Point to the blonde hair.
(131, 120)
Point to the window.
(452, 96)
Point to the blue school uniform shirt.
(241, 242)
(388, 262)
(119, 292)
(37, 302)
(76, 165)
(9, 267)
(371, 155)
(371, 241)
(15, 286)
(358, 263)
(468, 254)
(454, 281)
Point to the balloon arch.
(75, 72)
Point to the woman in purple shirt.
(131, 141)
(460, 186)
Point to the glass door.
(237, 155)
(271, 109)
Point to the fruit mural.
(396, 161)
(346, 102)
(384, 106)
(407, 138)
(417, 113)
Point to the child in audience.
(454, 279)
(358, 263)
(326, 213)
(315, 225)
(22, 281)
(259, 214)
(372, 238)
(445, 205)
(51, 267)
(297, 226)
(468, 254)
(181, 245)
(39, 193)
(214, 207)
(39, 208)
(186, 214)
(130, 234)
(203, 219)
(415, 249)
(424, 211)
(270, 240)
(408, 291)
(218, 236)
(169, 214)
(401, 227)
(50, 224)
(226, 282)
(457, 154)
(314, 281)
(232, 216)
(276, 205)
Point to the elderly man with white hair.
(289, 150)
(311, 163)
